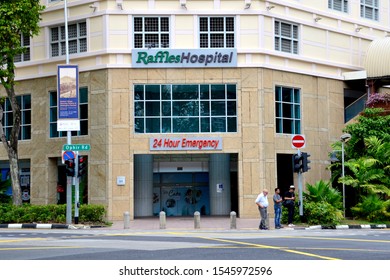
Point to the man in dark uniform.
(289, 197)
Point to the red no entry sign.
(298, 141)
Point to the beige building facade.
(192, 105)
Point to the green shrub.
(373, 209)
(92, 213)
(51, 213)
(5, 212)
(322, 213)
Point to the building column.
(219, 178)
(143, 185)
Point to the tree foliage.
(367, 163)
(366, 174)
(371, 122)
(17, 18)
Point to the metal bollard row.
(163, 220)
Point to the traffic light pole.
(300, 190)
(77, 190)
(69, 199)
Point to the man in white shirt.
(262, 203)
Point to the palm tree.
(367, 174)
(380, 151)
(322, 191)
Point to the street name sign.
(77, 147)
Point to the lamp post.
(344, 139)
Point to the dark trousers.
(290, 209)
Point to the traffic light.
(69, 167)
(297, 163)
(305, 162)
(82, 165)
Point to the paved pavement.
(188, 223)
(220, 223)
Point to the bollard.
(233, 220)
(126, 220)
(197, 220)
(163, 220)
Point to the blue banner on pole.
(68, 91)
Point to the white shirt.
(262, 199)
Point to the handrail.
(353, 109)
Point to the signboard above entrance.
(184, 144)
(188, 58)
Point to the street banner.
(67, 98)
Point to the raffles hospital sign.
(189, 58)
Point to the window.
(338, 5)
(185, 108)
(24, 102)
(216, 32)
(369, 9)
(286, 37)
(25, 43)
(83, 110)
(288, 110)
(77, 39)
(151, 32)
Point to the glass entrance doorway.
(181, 194)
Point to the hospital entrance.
(181, 185)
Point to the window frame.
(209, 33)
(25, 114)
(344, 5)
(83, 109)
(375, 9)
(25, 42)
(160, 33)
(292, 106)
(165, 109)
(280, 38)
(81, 40)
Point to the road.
(100, 244)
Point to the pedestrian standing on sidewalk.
(278, 208)
(289, 199)
(262, 204)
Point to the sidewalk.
(188, 223)
(221, 224)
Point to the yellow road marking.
(338, 238)
(40, 248)
(20, 240)
(270, 247)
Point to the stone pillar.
(219, 175)
(143, 185)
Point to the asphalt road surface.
(98, 244)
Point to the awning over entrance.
(377, 62)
